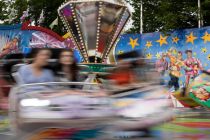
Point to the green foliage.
(19, 6)
(35, 9)
(167, 15)
(6, 13)
(2, 10)
(50, 13)
(158, 15)
(206, 12)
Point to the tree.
(20, 6)
(7, 13)
(35, 9)
(205, 9)
(166, 15)
(13, 10)
(50, 13)
(2, 10)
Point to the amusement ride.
(62, 112)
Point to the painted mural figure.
(12, 44)
(161, 67)
(193, 65)
(175, 69)
(10, 47)
(202, 92)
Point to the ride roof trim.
(25, 26)
(118, 2)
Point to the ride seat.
(15, 73)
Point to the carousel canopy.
(94, 25)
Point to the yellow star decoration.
(181, 82)
(133, 42)
(203, 50)
(194, 53)
(175, 40)
(158, 56)
(206, 37)
(190, 38)
(149, 44)
(120, 52)
(174, 51)
(149, 56)
(162, 40)
(208, 57)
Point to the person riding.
(36, 71)
(122, 75)
(66, 69)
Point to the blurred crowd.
(133, 70)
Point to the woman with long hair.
(36, 71)
(67, 69)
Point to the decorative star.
(190, 38)
(208, 57)
(148, 44)
(175, 40)
(133, 42)
(194, 53)
(203, 50)
(149, 56)
(120, 52)
(158, 55)
(206, 37)
(162, 40)
(174, 51)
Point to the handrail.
(53, 83)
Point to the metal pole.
(199, 13)
(141, 16)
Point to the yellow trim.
(67, 35)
